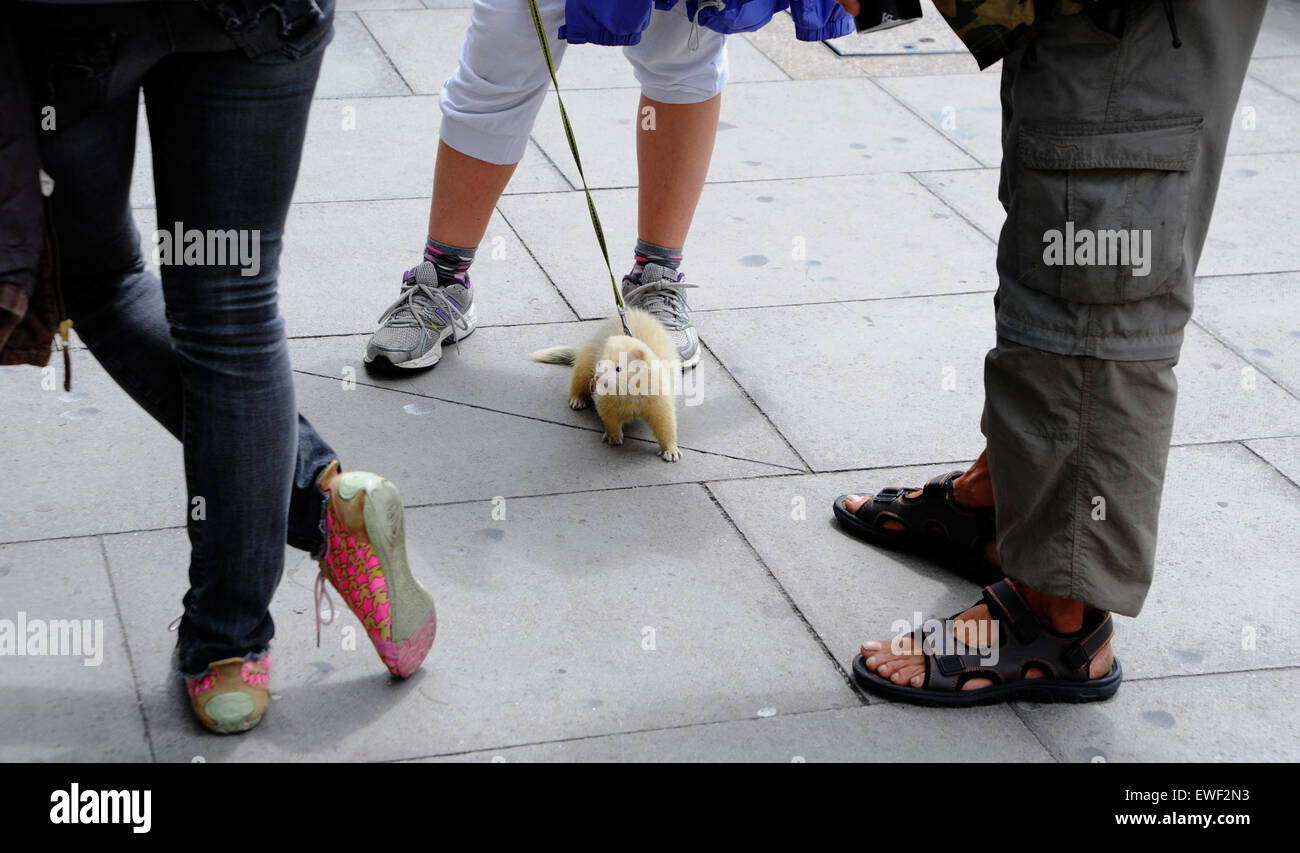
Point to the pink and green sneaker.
(366, 563)
(232, 695)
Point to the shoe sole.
(385, 520)
(1044, 690)
(230, 714)
(434, 354)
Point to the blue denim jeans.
(203, 350)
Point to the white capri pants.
(490, 104)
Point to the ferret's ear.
(636, 354)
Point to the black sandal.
(1025, 645)
(935, 524)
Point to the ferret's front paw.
(577, 403)
(612, 440)
(672, 454)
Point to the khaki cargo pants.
(1113, 143)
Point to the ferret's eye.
(618, 369)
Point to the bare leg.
(673, 161)
(465, 192)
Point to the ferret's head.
(623, 367)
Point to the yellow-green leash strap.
(577, 161)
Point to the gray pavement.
(599, 604)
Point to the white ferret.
(627, 378)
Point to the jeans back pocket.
(1101, 212)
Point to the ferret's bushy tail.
(556, 355)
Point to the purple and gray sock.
(451, 262)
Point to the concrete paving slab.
(89, 461)
(800, 60)
(927, 36)
(1253, 223)
(376, 148)
(973, 193)
(874, 734)
(343, 262)
(1282, 453)
(1198, 618)
(861, 363)
(1222, 598)
(711, 612)
(355, 65)
(1282, 73)
(1242, 716)
(438, 451)
(1221, 397)
(493, 371)
(425, 45)
(1259, 317)
(848, 591)
(371, 5)
(1280, 35)
(367, 148)
(771, 243)
(1248, 235)
(927, 389)
(73, 678)
(768, 130)
(967, 108)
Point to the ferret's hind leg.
(661, 416)
(584, 368)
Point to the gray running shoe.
(412, 329)
(659, 294)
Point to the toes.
(577, 403)
(671, 455)
(854, 502)
(912, 673)
(612, 440)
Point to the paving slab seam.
(1282, 92)
(72, 536)
(956, 145)
(749, 398)
(361, 19)
(1177, 675)
(1270, 464)
(646, 441)
(1235, 350)
(846, 301)
(963, 217)
(130, 658)
(817, 638)
(536, 260)
(624, 733)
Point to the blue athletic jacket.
(621, 22)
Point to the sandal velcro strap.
(1006, 605)
(889, 494)
(1080, 655)
(950, 665)
(940, 487)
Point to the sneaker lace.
(662, 299)
(419, 300)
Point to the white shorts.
(490, 104)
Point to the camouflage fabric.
(993, 28)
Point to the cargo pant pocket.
(1101, 212)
